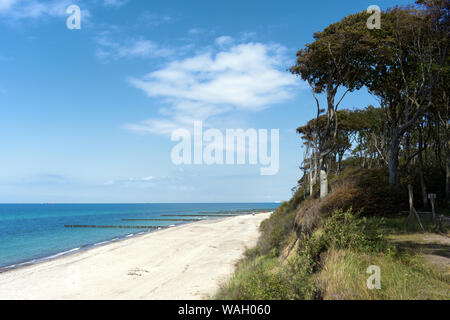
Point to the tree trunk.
(422, 182)
(394, 149)
(421, 177)
(339, 164)
(323, 179)
(447, 166)
(316, 167)
(447, 158)
(305, 182)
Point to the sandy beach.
(184, 262)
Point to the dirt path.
(435, 247)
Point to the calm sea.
(30, 233)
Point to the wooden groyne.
(115, 227)
(201, 215)
(238, 212)
(162, 220)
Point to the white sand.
(185, 262)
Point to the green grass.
(404, 276)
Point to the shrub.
(263, 279)
(367, 191)
(347, 230)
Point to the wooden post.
(432, 197)
(410, 221)
(410, 224)
(411, 197)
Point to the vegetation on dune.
(305, 252)
(344, 215)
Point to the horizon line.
(57, 203)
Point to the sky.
(87, 115)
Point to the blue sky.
(86, 115)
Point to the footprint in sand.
(137, 272)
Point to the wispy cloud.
(247, 76)
(109, 49)
(154, 19)
(42, 179)
(33, 9)
(224, 40)
(195, 31)
(7, 4)
(245, 36)
(175, 183)
(115, 3)
(137, 182)
(182, 188)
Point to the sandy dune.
(185, 262)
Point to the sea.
(32, 233)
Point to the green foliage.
(261, 278)
(407, 55)
(347, 230)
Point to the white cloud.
(182, 188)
(246, 77)
(154, 20)
(139, 182)
(158, 126)
(7, 4)
(134, 48)
(115, 3)
(245, 36)
(33, 9)
(195, 31)
(224, 40)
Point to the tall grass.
(403, 277)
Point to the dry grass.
(308, 216)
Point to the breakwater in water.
(116, 227)
(32, 232)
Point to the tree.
(326, 64)
(408, 57)
(405, 64)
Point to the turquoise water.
(30, 233)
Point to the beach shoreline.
(184, 262)
(77, 250)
